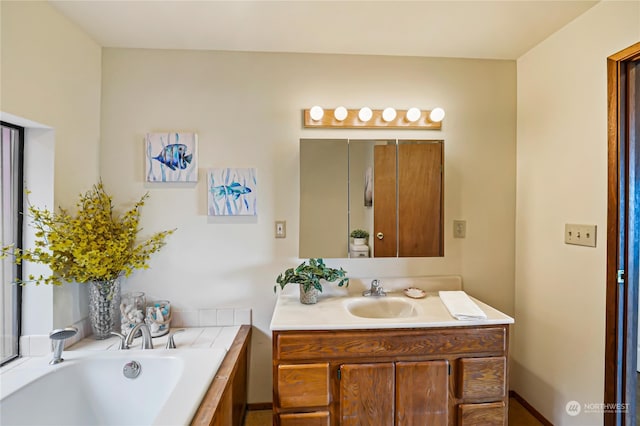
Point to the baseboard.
(256, 406)
(535, 413)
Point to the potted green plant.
(309, 275)
(360, 236)
(93, 245)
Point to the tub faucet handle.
(171, 344)
(123, 340)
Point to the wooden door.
(367, 394)
(422, 393)
(420, 199)
(384, 201)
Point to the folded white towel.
(461, 306)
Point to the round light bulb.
(436, 115)
(413, 115)
(340, 113)
(365, 114)
(316, 113)
(389, 114)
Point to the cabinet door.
(422, 393)
(407, 199)
(419, 199)
(304, 385)
(367, 394)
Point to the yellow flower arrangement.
(92, 245)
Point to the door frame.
(621, 298)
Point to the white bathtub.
(89, 388)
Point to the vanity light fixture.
(365, 114)
(389, 114)
(436, 115)
(368, 118)
(413, 115)
(340, 113)
(316, 113)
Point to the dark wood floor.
(518, 416)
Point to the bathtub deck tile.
(208, 337)
(89, 343)
(188, 337)
(226, 337)
(196, 337)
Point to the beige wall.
(50, 73)
(558, 351)
(246, 109)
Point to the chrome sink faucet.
(375, 290)
(146, 336)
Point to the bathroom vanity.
(386, 365)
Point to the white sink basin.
(382, 307)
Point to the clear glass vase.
(132, 308)
(104, 307)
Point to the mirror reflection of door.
(385, 241)
(415, 193)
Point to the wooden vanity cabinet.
(391, 377)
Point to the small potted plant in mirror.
(309, 275)
(360, 236)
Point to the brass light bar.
(352, 121)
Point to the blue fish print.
(175, 156)
(235, 190)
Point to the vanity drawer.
(489, 414)
(317, 418)
(303, 385)
(294, 345)
(482, 378)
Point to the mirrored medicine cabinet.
(390, 188)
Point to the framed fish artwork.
(171, 157)
(231, 192)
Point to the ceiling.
(464, 29)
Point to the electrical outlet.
(281, 228)
(459, 228)
(581, 235)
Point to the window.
(11, 193)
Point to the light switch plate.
(281, 228)
(581, 235)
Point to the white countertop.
(330, 313)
